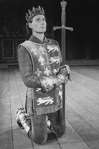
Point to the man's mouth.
(42, 26)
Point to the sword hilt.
(63, 15)
(63, 18)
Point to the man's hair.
(34, 12)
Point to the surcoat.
(46, 59)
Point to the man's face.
(38, 24)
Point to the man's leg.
(38, 131)
(35, 125)
(57, 122)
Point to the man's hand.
(63, 74)
(48, 83)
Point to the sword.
(63, 45)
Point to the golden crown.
(34, 12)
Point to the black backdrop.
(82, 15)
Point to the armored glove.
(48, 83)
(63, 74)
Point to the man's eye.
(44, 19)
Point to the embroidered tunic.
(45, 61)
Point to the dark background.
(82, 15)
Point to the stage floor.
(82, 111)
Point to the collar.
(35, 39)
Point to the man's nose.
(43, 23)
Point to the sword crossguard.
(62, 27)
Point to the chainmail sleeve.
(26, 69)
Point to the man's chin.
(41, 32)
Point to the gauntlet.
(48, 83)
(63, 75)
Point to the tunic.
(44, 59)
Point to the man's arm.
(26, 69)
(29, 78)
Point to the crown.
(34, 12)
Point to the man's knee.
(59, 130)
(37, 138)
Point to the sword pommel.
(63, 4)
(63, 15)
